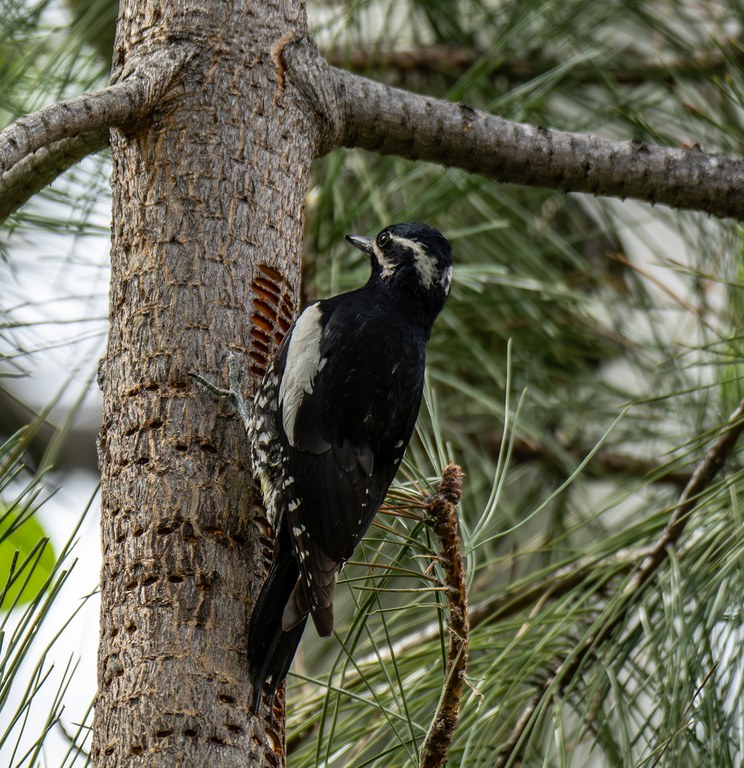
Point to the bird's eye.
(383, 239)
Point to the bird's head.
(413, 257)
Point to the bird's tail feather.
(271, 650)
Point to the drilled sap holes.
(138, 577)
(112, 668)
(273, 311)
(166, 527)
(205, 582)
(187, 532)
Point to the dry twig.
(443, 520)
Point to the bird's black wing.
(346, 426)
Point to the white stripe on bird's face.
(425, 266)
(302, 364)
(387, 266)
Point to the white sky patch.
(303, 363)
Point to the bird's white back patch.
(302, 365)
(426, 268)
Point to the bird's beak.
(364, 244)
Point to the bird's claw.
(235, 373)
(235, 393)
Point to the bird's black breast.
(373, 376)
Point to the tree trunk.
(208, 204)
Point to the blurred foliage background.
(589, 353)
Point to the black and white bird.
(328, 428)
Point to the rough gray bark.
(208, 202)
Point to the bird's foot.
(235, 392)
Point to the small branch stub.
(442, 517)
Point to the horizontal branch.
(395, 122)
(122, 105)
(362, 113)
(604, 462)
(427, 58)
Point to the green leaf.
(26, 558)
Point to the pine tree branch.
(395, 122)
(31, 174)
(705, 472)
(443, 519)
(424, 60)
(368, 115)
(549, 585)
(37, 147)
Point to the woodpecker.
(329, 425)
